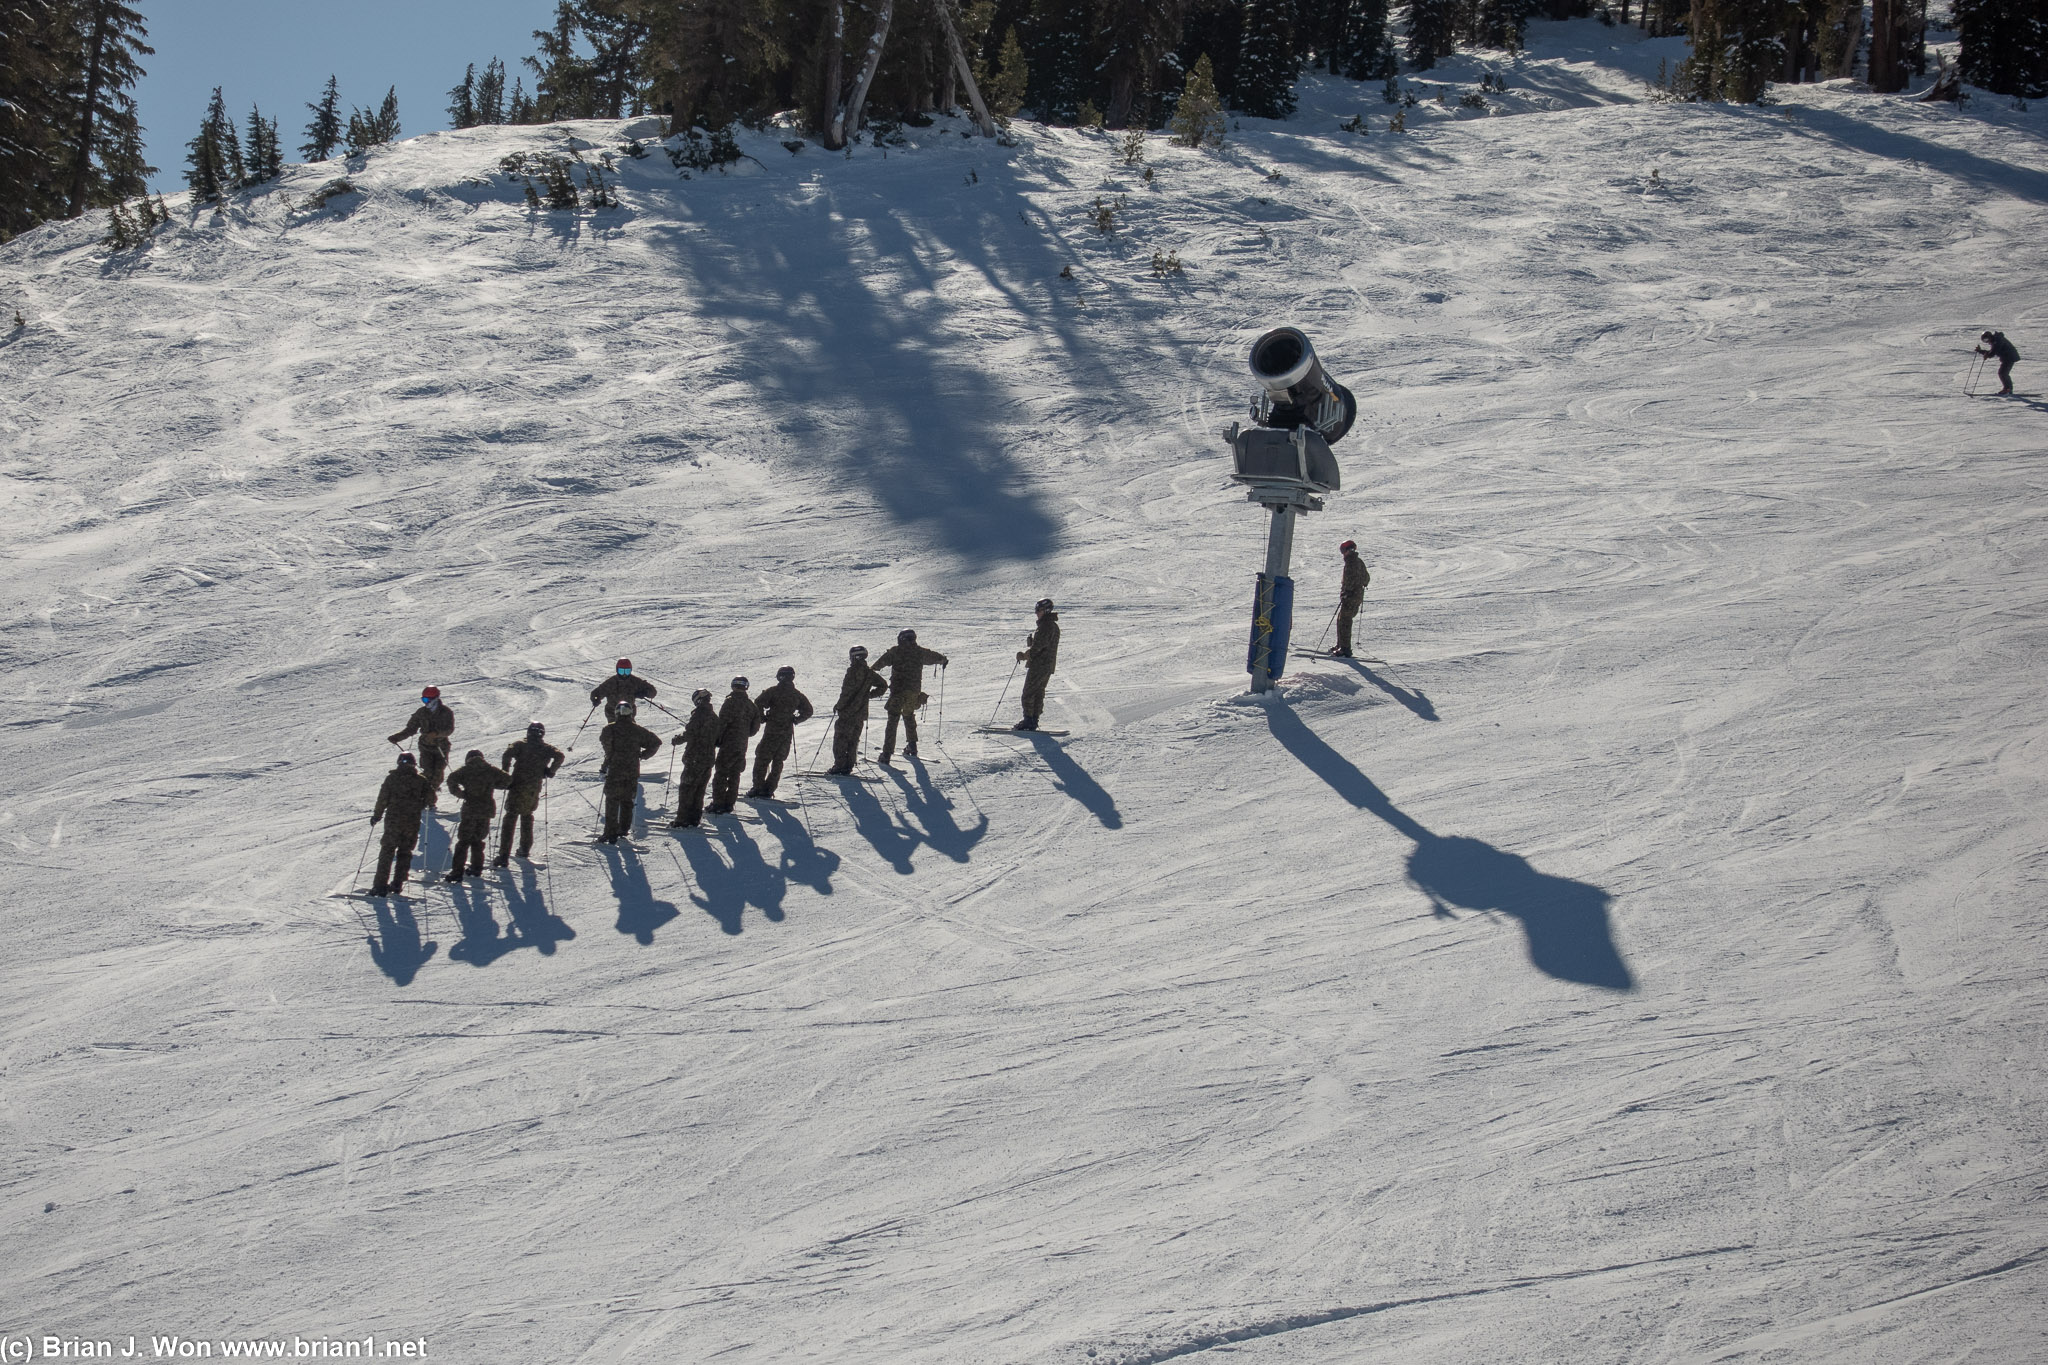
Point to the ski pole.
(666, 780)
(581, 728)
(821, 746)
(1005, 692)
(1326, 628)
(942, 706)
(362, 857)
(663, 709)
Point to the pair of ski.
(436, 879)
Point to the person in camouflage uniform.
(530, 762)
(1350, 597)
(737, 721)
(434, 724)
(476, 784)
(699, 743)
(625, 746)
(861, 685)
(620, 686)
(401, 801)
(906, 689)
(1040, 657)
(783, 708)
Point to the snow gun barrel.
(1295, 390)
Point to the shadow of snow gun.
(1285, 462)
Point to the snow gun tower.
(1284, 462)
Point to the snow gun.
(1285, 462)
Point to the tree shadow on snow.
(848, 350)
(1564, 922)
(1074, 780)
(1980, 173)
(396, 947)
(640, 913)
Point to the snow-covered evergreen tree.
(1432, 31)
(266, 157)
(2004, 45)
(1198, 114)
(1268, 62)
(1738, 47)
(213, 158)
(1004, 91)
(490, 93)
(1366, 52)
(1135, 37)
(323, 133)
(519, 108)
(1059, 34)
(462, 100)
(111, 35)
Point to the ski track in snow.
(1637, 965)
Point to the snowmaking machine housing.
(1285, 463)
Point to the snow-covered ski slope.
(1642, 963)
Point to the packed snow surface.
(1638, 957)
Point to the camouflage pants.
(768, 758)
(394, 853)
(690, 794)
(725, 778)
(621, 790)
(471, 835)
(434, 759)
(1347, 612)
(524, 825)
(903, 709)
(846, 733)
(1034, 692)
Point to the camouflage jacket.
(402, 798)
(737, 721)
(625, 745)
(783, 708)
(1042, 650)
(478, 783)
(429, 723)
(531, 761)
(699, 737)
(906, 668)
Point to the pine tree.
(1004, 91)
(1502, 23)
(1319, 31)
(2004, 45)
(121, 230)
(618, 36)
(1198, 116)
(213, 159)
(125, 172)
(462, 100)
(323, 134)
(1135, 36)
(32, 112)
(1215, 29)
(1058, 35)
(519, 109)
(1268, 64)
(112, 34)
(561, 76)
(490, 93)
(1738, 48)
(1367, 50)
(386, 123)
(1432, 31)
(709, 61)
(266, 157)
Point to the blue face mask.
(625, 672)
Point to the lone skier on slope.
(783, 708)
(1040, 655)
(906, 689)
(860, 685)
(625, 745)
(699, 743)
(738, 718)
(401, 801)
(434, 724)
(2008, 355)
(477, 783)
(1350, 597)
(620, 686)
(530, 761)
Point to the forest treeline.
(70, 139)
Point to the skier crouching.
(2008, 356)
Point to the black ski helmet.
(626, 708)
(405, 760)
(857, 652)
(906, 637)
(702, 696)
(740, 684)
(1985, 337)
(785, 674)
(1045, 604)
(475, 754)
(535, 728)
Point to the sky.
(277, 54)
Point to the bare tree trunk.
(1886, 73)
(1852, 41)
(960, 64)
(835, 44)
(83, 167)
(848, 122)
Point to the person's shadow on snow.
(932, 810)
(480, 944)
(889, 837)
(640, 914)
(1074, 780)
(802, 861)
(396, 946)
(528, 911)
(731, 874)
(1564, 921)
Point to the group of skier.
(712, 747)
